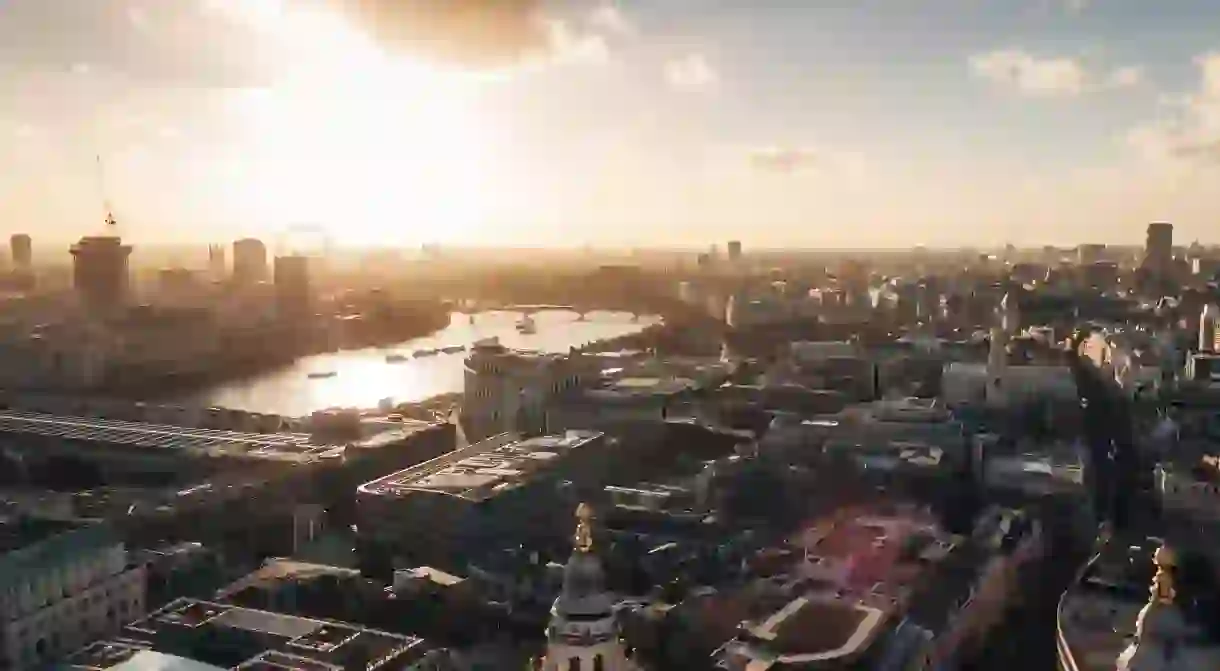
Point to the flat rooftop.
(485, 474)
(268, 640)
(21, 532)
(289, 447)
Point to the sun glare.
(371, 147)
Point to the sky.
(810, 123)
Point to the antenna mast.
(111, 224)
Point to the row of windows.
(599, 664)
(46, 640)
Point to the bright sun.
(373, 149)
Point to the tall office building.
(293, 290)
(100, 269)
(216, 262)
(249, 261)
(734, 248)
(23, 251)
(1158, 248)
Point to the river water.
(363, 377)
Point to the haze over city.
(943, 122)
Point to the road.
(1026, 640)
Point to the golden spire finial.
(584, 528)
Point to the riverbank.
(250, 354)
(364, 378)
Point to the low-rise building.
(203, 635)
(501, 492)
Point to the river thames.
(364, 377)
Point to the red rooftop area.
(846, 577)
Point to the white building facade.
(508, 390)
(70, 585)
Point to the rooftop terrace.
(853, 574)
(484, 474)
(287, 642)
(291, 447)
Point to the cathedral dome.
(584, 593)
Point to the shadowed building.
(293, 289)
(100, 270)
(249, 261)
(23, 252)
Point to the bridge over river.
(530, 309)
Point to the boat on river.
(395, 358)
(321, 375)
(424, 352)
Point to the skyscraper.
(1158, 249)
(249, 261)
(23, 251)
(734, 248)
(100, 269)
(216, 262)
(293, 290)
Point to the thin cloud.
(169, 43)
(784, 160)
(692, 73)
(1049, 77)
(1076, 6)
(1189, 128)
(610, 19)
(1126, 77)
(474, 33)
(488, 34)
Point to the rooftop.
(283, 570)
(22, 532)
(485, 473)
(649, 386)
(852, 574)
(290, 447)
(265, 640)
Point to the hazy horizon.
(949, 123)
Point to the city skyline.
(954, 123)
